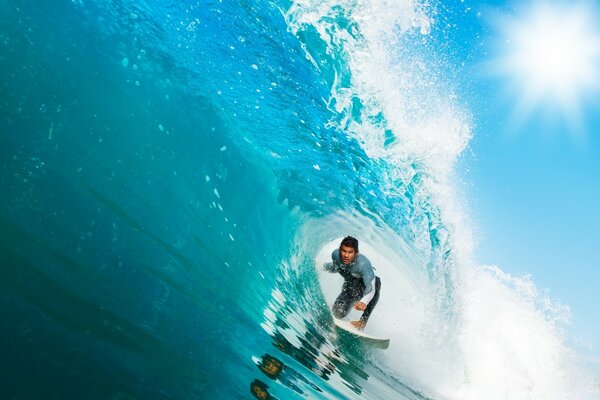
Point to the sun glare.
(551, 55)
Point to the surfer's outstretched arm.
(330, 267)
(334, 264)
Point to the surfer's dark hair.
(349, 241)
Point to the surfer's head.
(348, 249)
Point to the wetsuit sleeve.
(335, 257)
(333, 265)
(368, 276)
(330, 267)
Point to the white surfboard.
(378, 342)
(378, 328)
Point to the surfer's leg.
(351, 292)
(341, 306)
(367, 313)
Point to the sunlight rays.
(550, 57)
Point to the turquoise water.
(170, 172)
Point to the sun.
(550, 55)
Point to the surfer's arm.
(333, 265)
(330, 267)
(368, 295)
(368, 276)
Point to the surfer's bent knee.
(338, 312)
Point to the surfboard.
(331, 284)
(346, 326)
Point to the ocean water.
(173, 173)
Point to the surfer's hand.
(328, 266)
(360, 306)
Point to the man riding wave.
(361, 287)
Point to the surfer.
(361, 286)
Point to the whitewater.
(174, 175)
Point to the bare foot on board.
(360, 325)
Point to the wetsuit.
(360, 284)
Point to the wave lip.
(386, 91)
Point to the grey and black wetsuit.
(360, 284)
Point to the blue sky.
(532, 82)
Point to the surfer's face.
(347, 254)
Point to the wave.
(183, 168)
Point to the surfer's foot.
(359, 324)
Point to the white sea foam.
(511, 341)
(391, 80)
(503, 339)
